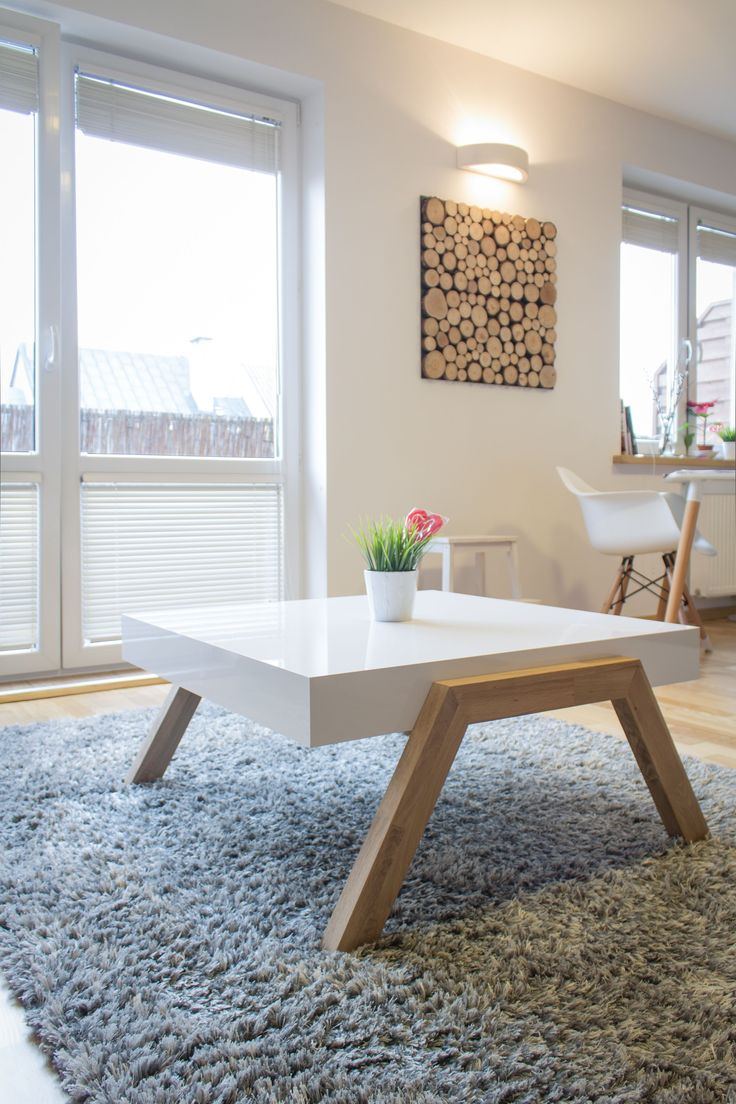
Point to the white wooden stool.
(447, 547)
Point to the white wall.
(395, 106)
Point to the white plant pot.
(728, 450)
(391, 594)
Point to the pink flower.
(422, 524)
(415, 519)
(701, 409)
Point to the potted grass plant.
(392, 551)
(728, 442)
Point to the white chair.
(629, 524)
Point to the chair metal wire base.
(627, 575)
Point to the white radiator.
(715, 576)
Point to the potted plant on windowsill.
(728, 442)
(702, 410)
(392, 551)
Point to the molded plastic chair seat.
(632, 523)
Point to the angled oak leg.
(163, 739)
(399, 824)
(659, 761)
(450, 707)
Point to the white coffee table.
(320, 671)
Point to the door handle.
(50, 348)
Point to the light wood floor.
(701, 716)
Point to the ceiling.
(673, 58)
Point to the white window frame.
(718, 222)
(42, 466)
(284, 469)
(688, 216)
(58, 466)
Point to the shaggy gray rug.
(550, 943)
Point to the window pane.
(648, 333)
(17, 281)
(149, 546)
(178, 305)
(716, 311)
(19, 567)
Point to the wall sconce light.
(495, 159)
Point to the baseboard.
(33, 691)
(715, 613)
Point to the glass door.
(174, 389)
(29, 348)
(145, 437)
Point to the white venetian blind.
(716, 245)
(18, 78)
(148, 546)
(19, 567)
(121, 113)
(652, 231)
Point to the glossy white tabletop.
(315, 664)
(716, 481)
(695, 475)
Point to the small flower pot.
(391, 594)
(705, 452)
(728, 450)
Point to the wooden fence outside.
(125, 433)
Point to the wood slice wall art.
(488, 295)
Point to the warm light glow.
(504, 172)
(494, 159)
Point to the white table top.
(695, 475)
(321, 670)
(699, 482)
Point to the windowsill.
(675, 462)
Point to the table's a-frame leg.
(163, 739)
(399, 824)
(451, 706)
(655, 752)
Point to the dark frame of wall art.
(488, 295)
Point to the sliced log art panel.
(488, 296)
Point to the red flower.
(701, 409)
(422, 524)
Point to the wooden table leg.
(659, 762)
(452, 705)
(163, 739)
(399, 824)
(682, 559)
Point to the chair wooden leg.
(625, 579)
(613, 594)
(664, 595)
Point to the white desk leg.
(513, 554)
(448, 567)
